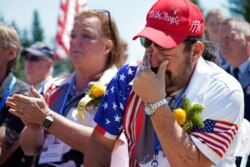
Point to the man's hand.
(148, 85)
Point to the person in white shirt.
(161, 132)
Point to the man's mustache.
(155, 69)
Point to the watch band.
(152, 107)
(48, 121)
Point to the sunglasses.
(32, 58)
(147, 43)
(106, 12)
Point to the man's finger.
(146, 62)
(162, 69)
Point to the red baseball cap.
(170, 22)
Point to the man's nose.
(156, 60)
(156, 56)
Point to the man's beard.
(184, 74)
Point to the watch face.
(148, 110)
(47, 122)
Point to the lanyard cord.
(7, 93)
(157, 145)
(66, 96)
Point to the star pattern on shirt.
(121, 106)
(130, 71)
(105, 105)
(122, 77)
(117, 118)
(114, 106)
(107, 121)
(106, 93)
(113, 103)
(209, 126)
(112, 89)
(120, 128)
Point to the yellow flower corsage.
(92, 98)
(188, 115)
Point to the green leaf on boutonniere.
(188, 115)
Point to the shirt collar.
(243, 67)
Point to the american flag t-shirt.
(216, 134)
(109, 117)
(114, 115)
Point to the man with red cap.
(177, 108)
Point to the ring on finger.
(21, 110)
(143, 66)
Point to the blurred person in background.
(38, 64)
(234, 42)
(11, 126)
(124, 50)
(212, 21)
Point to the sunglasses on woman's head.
(106, 12)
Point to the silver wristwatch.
(151, 107)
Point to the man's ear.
(12, 54)
(248, 38)
(50, 63)
(197, 50)
(248, 44)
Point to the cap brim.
(34, 52)
(166, 40)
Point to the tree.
(13, 23)
(240, 8)
(25, 41)
(197, 2)
(2, 19)
(60, 68)
(37, 31)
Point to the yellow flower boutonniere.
(188, 115)
(92, 98)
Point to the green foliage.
(185, 104)
(19, 71)
(193, 115)
(60, 67)
(63, 67)
(188, 126)
(240, 8)
(2, 19)
(25, 41)
(197, 121)
(37, 31)
(13, 23)
(195, 2)
(195, 109)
